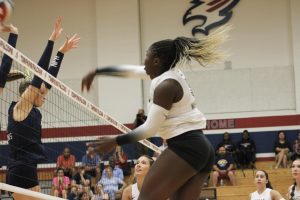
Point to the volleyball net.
(68, 120)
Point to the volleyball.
(6, 10)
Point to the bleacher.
(280, 179)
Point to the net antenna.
(23, 60)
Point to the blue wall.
(264, 143)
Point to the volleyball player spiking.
(180, 171)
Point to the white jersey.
(135, 192)
(266, 195)
(183, 115)
(296, 193)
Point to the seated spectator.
(229, 146)
(91, 163)
(223, 167)
(117, 172)
(60, 184)
(246, 151)
(282, 149)
(99, 193)
(81, 177)
(121, 160)
(111, 185)
(296, 148)
(73, 193)
(88, 190)
(83, 196)
(227, 143)
(66, 161)
(140, 118)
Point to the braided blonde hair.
(183, 49)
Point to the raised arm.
(69, 44)
(83, 180)
(26, 102)
(6, 60)
(120, 191)
(36, 84)
(126, 71)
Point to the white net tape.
(25, 192)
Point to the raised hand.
(15, 75)
(9, 28)
(104, 144)
(88, 80)
(69, 44)
(57, 30)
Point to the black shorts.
(195, 149)
(24, 176)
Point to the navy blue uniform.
(26, 149)
(24, 139)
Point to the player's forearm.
(156, 117)
(46, 56)
(7, 61)
(43, 63)
(55, 66)
(132, 71)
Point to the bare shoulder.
(167, 92)
(249, 197)
(127, 193)
(169, 84)
(275, 195)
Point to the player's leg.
(168, 173)
(192, 188)
(186, 156)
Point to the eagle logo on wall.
(209, 14)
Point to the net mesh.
(68, 120)
(65, 123)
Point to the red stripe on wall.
(289, 120)
(76, 131)
(254, 122)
